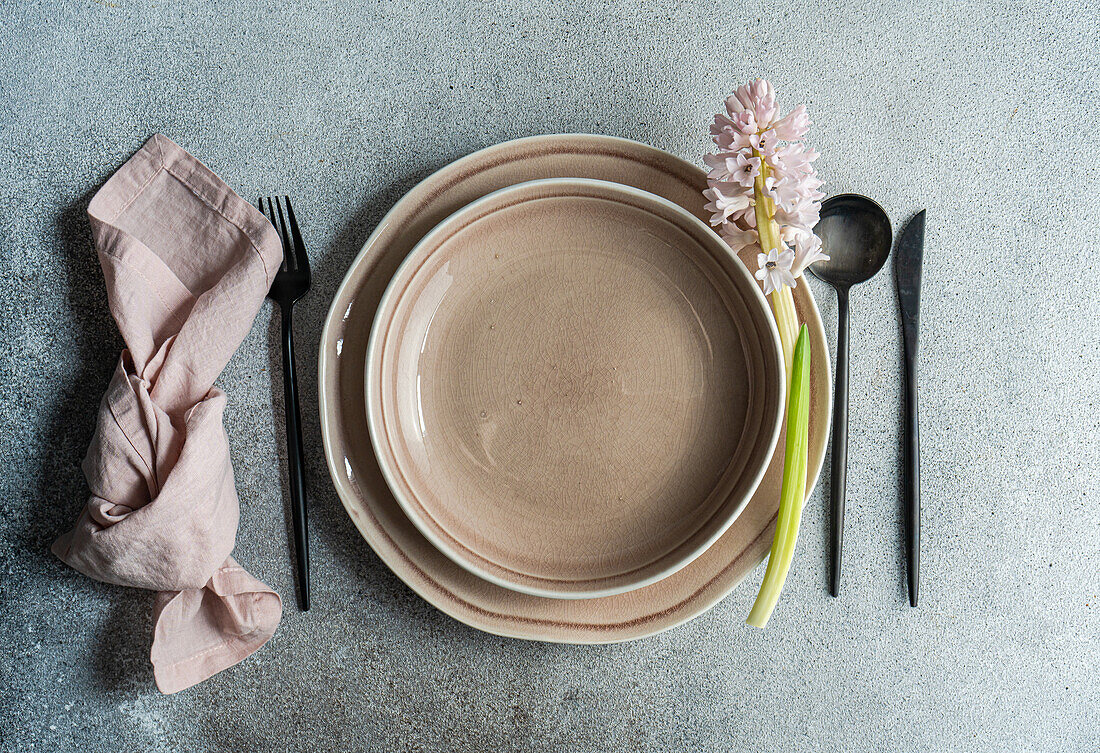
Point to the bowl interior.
(573, 387)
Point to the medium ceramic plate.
(354, 469)
(573, 387)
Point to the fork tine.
(270, 218)
(301, 260)
(282, 232)
(287, 248)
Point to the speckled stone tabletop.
(985, 113)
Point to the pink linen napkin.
(187, 264)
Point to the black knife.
(907, 265)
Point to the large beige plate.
(573, 387)
(355, 471)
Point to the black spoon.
(855, 232)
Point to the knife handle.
(839, 476)
(911, 478)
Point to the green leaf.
(792, 495)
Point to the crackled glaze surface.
(574, 387)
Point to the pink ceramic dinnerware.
(573, 387)
(362, 485)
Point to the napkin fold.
(187, 263)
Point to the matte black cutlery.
(907, 265)
(291, 283)
(856, 233)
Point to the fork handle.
(295, 460)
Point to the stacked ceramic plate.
(551, 396)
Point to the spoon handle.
(840, 439)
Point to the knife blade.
(908, 263)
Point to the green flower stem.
(793, 492)
(768, 231)
(786, 319)
(796, 361)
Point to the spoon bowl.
(855, 232)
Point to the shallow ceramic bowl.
(573, 387)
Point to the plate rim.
(375, 421)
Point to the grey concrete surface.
(983, 112)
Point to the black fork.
(290, 284)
